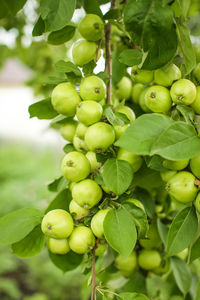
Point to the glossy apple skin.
(126, 265)
(181, 187)
(176, 165)
(87, 193)
(136, 92)
(57, 224)
(83, 52)
(183, 91)
(81, 130)
(76, 210)
(133, 159)
(82, 240)
(91, 156)
(75, 166)
(196, 104)
(119, 130)
(124, 88)
(99, 136)
(197, 203)
(101, 248)
(65, 98)
(128, 112)
(195, 165)
(166, 175)
(92, 88)
(142, 103)
(142, 76)
(79, 144)
(89, 112)
(68, 130)
(157, 99)
(166, 76)
(58, 246)
(153, 239)
(149, 259)
(91, 27)
(97, 222)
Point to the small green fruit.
(153, 239)
(183, 91)
(175, 164)
(142, 76)
(91, 27)
(196, 104)
(149, 259)
(58, 246)
(119, 130)
(68, 130)
(167, 75)
(157, 99)
(197, 203)
(83, 52)
(123, 88)
(126, 265)
(133, 159)
(195, 165)
(142, 102)
(81, 130)
(126, 110)
(91, 156)
(101, 248)
(79, 144)
(166, 175)
(92, 88)
(97, 222)
(82, 240)
(77, 210)
(136, 92)
(89, 112)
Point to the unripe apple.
(166, 175)
(77, 210)
(163, 269)
(165, 76)
(58, 246)
(136, 202)
(142, 101)
(133, 159)
(92, 88)
(142, 76)
(175, 164)
(183, 91)
(82, 240)
(126, 265)
(105, 189)
(153, 239)
(197, 203)
(91, 156)
(80, 144)
(123, 88)
(136, 92)
(97, 222)
(157, 99)
(99, 136)
(101, 248)
(83, 52)
(89, 112)
(75, 166)
(57, 224)
(81, 130)
(181, 186)
(196, 104)
(126, 110)
(91, 27)
(87, 193)
(68, 130)
(65, 98)
(195, 165)
(149, 259)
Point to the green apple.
(196, 72)
(165, 76)
(97, 222)
(81, 130)
(136, 92)
(58, 246)
(183, 91)
(101, 248)
(91, 27)
(89, 112)
(182, 187)
(83, 52)
(126, 265)
(92, 88)
(57, 224)
(195, 165)
(196, 104)
(142, 76)
(71, 185)
(166, 175)
(65, 98)
(80, 144)
(91, 156)
(75, 166)
(82, 240)
(123, 88)
(163, 269)
(142, 103)
(105, 189)
(157, 99)
(119, 130)
(133, 159)
(183, 254)
(126, 110)
(136, 202)
(99, 137)
(175, 164)
(153, 239)
(76, 210)
(68, 130)
(149, 259)
(197, 203)
(87, 193)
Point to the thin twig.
(98, 49)
(82, 217)
(197, 182)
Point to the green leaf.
(120, 231)
(118, 69)
(197, 296)
(17, 224)
(152, 27)
(39, 27)
(92, 7)
(68, 67)
(182, 274)
(58, 184)
(69, 148)
(155, 134)
(42, 110)
(112, 14)
(10, 7)
(111, 116)
(61, 36)
(187, 113)
(182, 231)
(163, 231)
(130, 57)
(67, 262)
(117, 175)
(88, 68)
(132, 296)
(56, 14)
(61, 201)
(104, 76)
(147, 178)
(186, 47)
(146, 199)
(136, 283)
(155, 163)
(195, 251)
(31, 245)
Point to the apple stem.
(108, 62)
(197, 182)
(93, 276)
